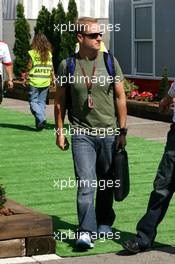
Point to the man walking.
(164, 187)
(93, 108)
(5, 58)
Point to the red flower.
(146, 94)
(134, 93)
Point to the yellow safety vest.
(40, 74)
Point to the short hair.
(82, 24)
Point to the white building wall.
(92, 8)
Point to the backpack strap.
(108, 59)
(109, 63)
(71, 63)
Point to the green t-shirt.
(102, 115)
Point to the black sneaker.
(133, 246)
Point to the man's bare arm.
(120, 103)
(165, 103)
(9, 71)
(59, 112)
(121, 109)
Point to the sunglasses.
(93, 35)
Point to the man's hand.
(10, 84)
(165, 103)
(60, 141)
(121, 142)
(24, 83)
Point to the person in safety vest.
(40, 74)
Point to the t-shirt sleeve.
(61, 74)
(119, 74)
(6, 56)
(171, 91)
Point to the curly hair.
(42, 46)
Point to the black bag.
(120, 175)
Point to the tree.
(22, 42)
(43, 22)
(68, 38)
(2, 196)
(59, 20)
(51, 25)
(163, 85)
(72, 13)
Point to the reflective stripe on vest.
(40, 74)
(42, 65)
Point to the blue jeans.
(92, 158)
(37, 101)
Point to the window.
(142, 39)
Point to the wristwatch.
(123, 131)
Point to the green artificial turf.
(31, 166)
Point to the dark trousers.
(164, 187)
(1, 92)
(92, 158)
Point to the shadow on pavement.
(19, 127)
(156, 246)
(58, 226)
(26, 128)
(166, 248)
(68, 235)
(69, 238)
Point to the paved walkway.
(162, 256)
(148, 129)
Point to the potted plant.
(3, 209)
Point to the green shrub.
(22, 42)
(43, 22)
(2, 196)
(129, 86)
(163, 85)
(68, 38)
(63, 42)
(59, 19)
(51, 26)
